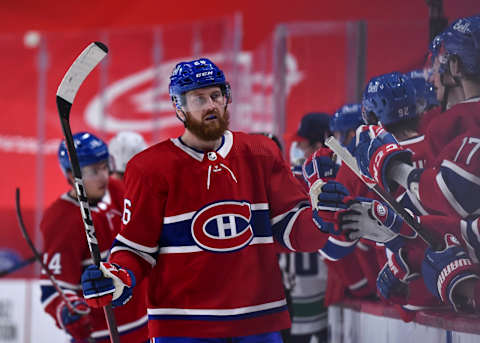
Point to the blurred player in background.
(449, 187)
(66, 250)
(306, 273)
(204, 217)
(122, 148)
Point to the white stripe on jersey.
(194, 248)
(121, 328)
(189, 215)
(216, 312)
(145, 256)
(142, 248)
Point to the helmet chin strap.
(183, 121)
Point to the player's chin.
(97, 193)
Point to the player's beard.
(205, 130)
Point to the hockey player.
(344, 122)
(66, 250)
(310, 136)
(122, 148)
(391, 99)
(203, 216)
(424, 92)
(307, 272)
(450, 187)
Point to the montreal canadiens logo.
(223, 226)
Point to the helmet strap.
(179, 118)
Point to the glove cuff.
(381, 159)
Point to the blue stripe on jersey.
(471, 236)
(464, 191)
(179, 233)
(270, 337)
(334, 251)
(216, 318)
(281, 226)
(47, 292)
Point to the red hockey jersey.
(66, 254)
(452, 184)
(208, 224)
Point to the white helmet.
(123, 147)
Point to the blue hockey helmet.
(424, 91)
(347, 117)
(196, 74)
(462, 39)
(390, 97)
(90, 150)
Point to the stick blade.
(79, 70)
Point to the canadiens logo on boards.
(223, 226)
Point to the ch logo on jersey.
(223, 226)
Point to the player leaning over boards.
(66, 250)
(204, 216)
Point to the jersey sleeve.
(136, 246)
(290, 210)
(452, 187)
(63, 259)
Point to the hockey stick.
(18, 266)
(351, 162)
(68, 88)
(36, 256)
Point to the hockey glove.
(109, 283)
(326, 199)
(394, 277)
(76, 323)
(375, 150)
(375, 221)
(319, 166)
(444, 270)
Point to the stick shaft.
(66, 92)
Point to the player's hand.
(76, 323)
(327, 198)
(109, 283)
(375, 149)
(375, 221)
(394, 277)
(319, 165)
(443, 271)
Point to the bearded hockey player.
(204, 216)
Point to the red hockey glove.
(375, 150)
(76, 323)
(319, 165)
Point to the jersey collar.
(223, 149)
